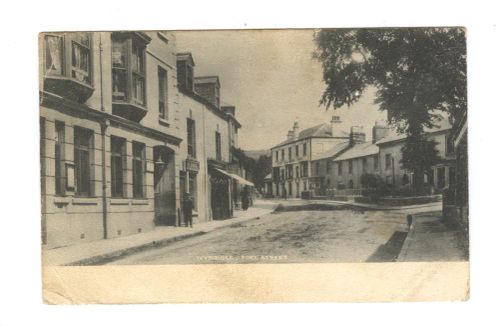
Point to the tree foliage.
(418, 73)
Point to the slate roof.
(441, 125)
(358, 150)
(336, 150)
(323, 130)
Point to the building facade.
(120, 142)
(292, 159)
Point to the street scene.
(158, 148)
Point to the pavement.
(101, 251)
(429, 239)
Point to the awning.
(236, 177)
(243, 181)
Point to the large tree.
(418, 73)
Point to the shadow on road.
(389, 251)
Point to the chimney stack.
(295, 130)
(336, 126)
(357, 135)
(290, 135)
(379, 131)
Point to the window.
(282, 154)
(297, 150)
(339, 167)
(129, 78)
(351, 184)
(80, 57)
(328, 167)
(218, 151)
(54, 54)
(83, 143)
(276, 154)
(304, 149)
(440, 177)
(118, 166)
(191, 137)
(297, 172)
(304, 169)
(162, 93)
(138, 169)
(365, 164)
(317, 168)
(193, 189)
(450, 149)
(350, 166)
(375, 162)
(289, 153)
(388, 160)
(59, 155)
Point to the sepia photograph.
(275, 147)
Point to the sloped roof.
(359, 150)
(207, 79)
(441, 125)
(323, 130)
(337, 149)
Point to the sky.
(272, 79)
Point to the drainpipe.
(100, 71)
(104, 127)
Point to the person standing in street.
(244, 198)
(187, 207)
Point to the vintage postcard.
(292, 165)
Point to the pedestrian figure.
(187, 207)
(245, 200)
(409, 219)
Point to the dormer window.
(68, 58)
(185, 71)
(129, 75)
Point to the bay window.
(68, 65)
(129, 74)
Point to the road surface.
(327, 236)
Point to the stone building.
(121, 142)
(292, 158)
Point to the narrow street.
(321, 236)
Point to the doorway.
(164, 185)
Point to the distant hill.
(255, 154)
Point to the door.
(164, 186)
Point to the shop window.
(118, 166)
(339, 168)
(138, 169)
(83, 147)
(365, 164)
(350, 166)
(375, 162)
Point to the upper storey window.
(129, 74)
(68, 62)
